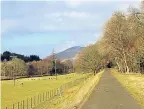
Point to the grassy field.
(74, 96)
(32, 86)
(134, 83)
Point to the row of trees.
(124, 39)
(122, 44)
(47, 67)
(17, 67)
(8, 56)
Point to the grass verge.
(134, 83)
(78, 98)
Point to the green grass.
(12, 94)
(76, 99)
(134, 83)
(56, 102)
(81, 96)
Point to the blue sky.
(36, 27)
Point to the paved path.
(109, 94)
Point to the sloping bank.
(133, 83)
(76, 100)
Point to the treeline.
(19, 68)
(122, 44)
(7, 56)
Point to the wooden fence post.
(23, 104)
(59, 90)
(34, 100)
(43, 96)
(13, 106)
(18, 105)
(27, 103)
(52, 92)
(48, 94)
(38, 100)
(31, 102)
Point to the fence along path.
(37, 100)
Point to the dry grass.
(134, 83)
(77, 99)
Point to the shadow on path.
(109, 94)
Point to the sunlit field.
(134, 83)
(32, 86)
(66, 54)
(74, 95)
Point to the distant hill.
(68, 53)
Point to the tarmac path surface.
(109, 94)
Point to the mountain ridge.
(68, 53)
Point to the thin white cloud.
(89, 43)
(97, 37)
(56, 21)
(7, 25)
(64, 45)
(73, 3)
(124, 7)
(76, 14)
(60, 19)
(70, 14)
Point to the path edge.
(85, 98)
(127, 89)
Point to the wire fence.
(32, 102)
